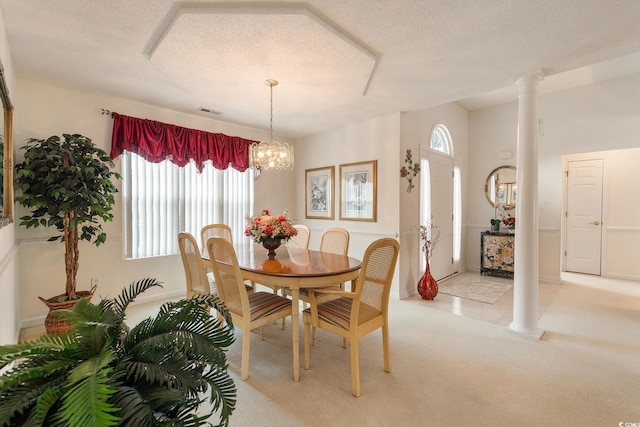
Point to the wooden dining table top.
(293, 261)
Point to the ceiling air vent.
(209, 111)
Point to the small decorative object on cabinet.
(497, 253)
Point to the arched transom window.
(441, 140)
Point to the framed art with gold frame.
(358, 191)
(318, 193)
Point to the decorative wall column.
(525, 289)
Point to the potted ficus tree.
(67, 184)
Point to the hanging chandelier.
(272, 154)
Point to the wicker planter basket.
(56, 323)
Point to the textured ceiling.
(337, 61)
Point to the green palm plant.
(104, 373)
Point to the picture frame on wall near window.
(319, 188)
(358, 191)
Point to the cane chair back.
(248, 311)
(335, 240)
(354, 314)
(194, 267)
(300, 240)
(215, 230)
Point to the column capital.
(528, 81)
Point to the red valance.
(157, 141)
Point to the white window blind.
(162, 199)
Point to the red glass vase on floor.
(427, 286)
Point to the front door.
(584, 216)
(441, 171)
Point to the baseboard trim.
(39, 320)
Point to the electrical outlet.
(95, 281)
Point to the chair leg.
(307, 327)
(355, 369)
(246, 342)
(385, 348)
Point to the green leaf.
(88, 388)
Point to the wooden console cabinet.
(497, 253)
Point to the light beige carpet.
(449, 370)
(478, 290)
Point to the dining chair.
(248, 311)
(217, 230)
(334, 240)
(194, 267)
(300, 240)
(355, 313)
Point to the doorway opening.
(440, 203)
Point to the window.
(441, 140)
(162, 199)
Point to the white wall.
(376, 139)
(43, 110)
(603, 116)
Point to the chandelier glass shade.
(271, 155)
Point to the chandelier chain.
(271, 117)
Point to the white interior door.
(584, 216)
(441, 175)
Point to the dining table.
(295, 268)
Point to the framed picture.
(358, 191)
(319, 193)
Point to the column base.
(535, 334)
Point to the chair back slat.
(194, 267)
(376, 274)
(228, 276)
(300, 240)
(335, 240)
(215, 230)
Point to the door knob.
(595, 223)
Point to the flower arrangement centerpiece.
(509, 221)
(270, 230)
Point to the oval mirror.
(501, 188)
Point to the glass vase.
(271, 245)
(427, 285)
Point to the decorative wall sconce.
(410, 171)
